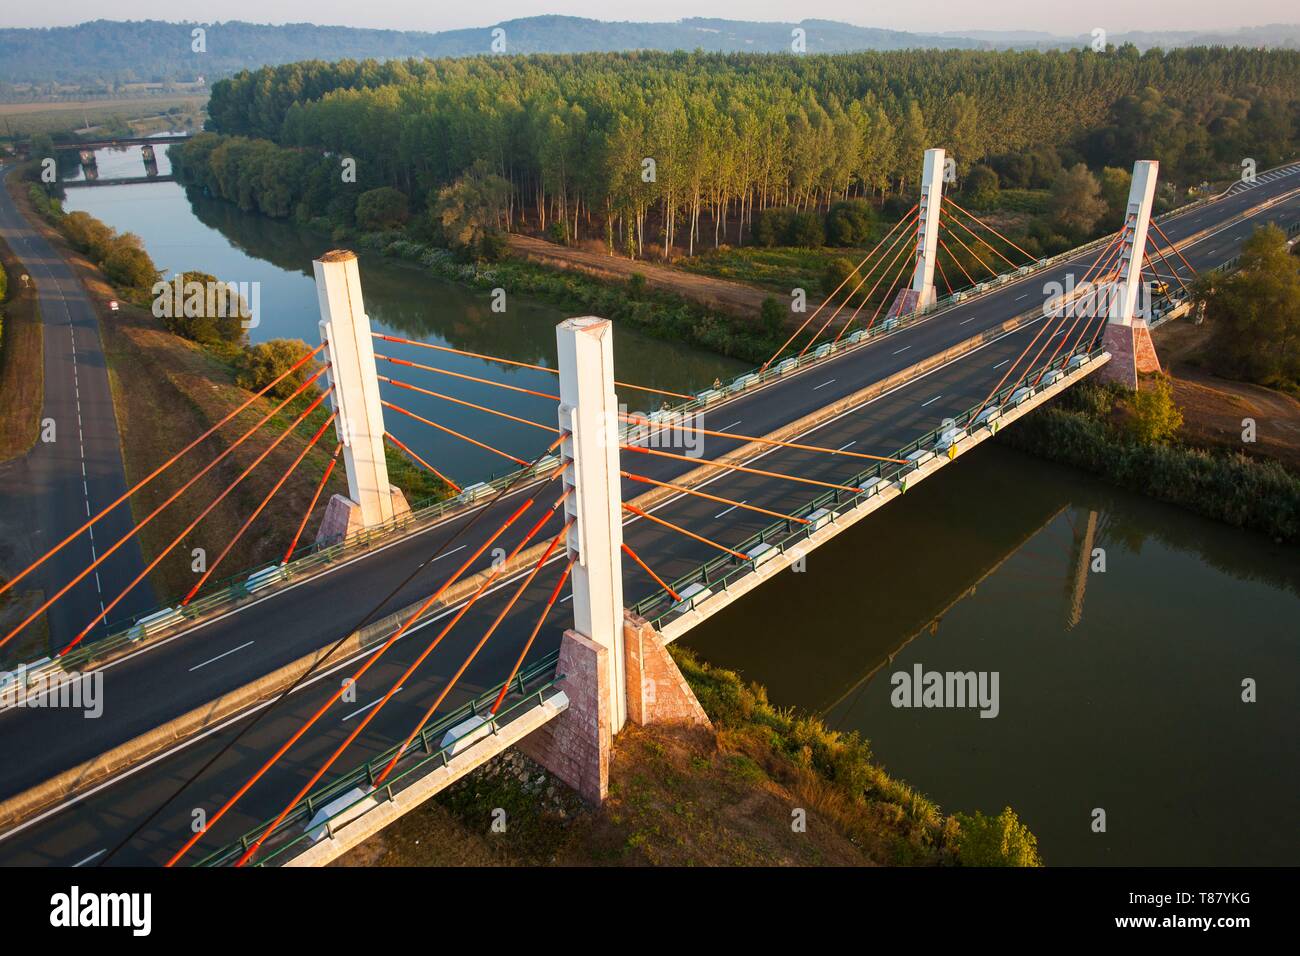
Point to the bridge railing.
(293, 835)
(783, 535)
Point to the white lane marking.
(964, 321)
(731, 509)
(902, 350)
(1025, 296)
(448, 554)
(726, 428)
(92, 856)
(823, 384)
(362, 710)
(849, 445)
(219, 656)
(1000, 364)
(931, 401)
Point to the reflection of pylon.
(1084, 538)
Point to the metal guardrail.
(363, 776)
(781, 535)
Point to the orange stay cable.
(1172, 245)
(627, 549)
(158, 471)
(987, 268)
(504, 361)
(1153, 246)
(469, 658)
(834, 292)
(370, 660)
(978, 238)
(324, 479)
(420, 461)
(541, 619)
(722, 501)
(461, 401)
(636, 419)
(902, 270)
(943, 245)
(137, 527)
(948, 201)
(451, 431)
(943, 275)
(261, 506)
(370, 714)
(469, 378)
(690, 534)
(193, 524)
(752, 471)
(902, 236)
(890, 293)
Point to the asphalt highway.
(48, 493)
(167, 679)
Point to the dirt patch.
(1214, 409)
(732, 297)
(22, 366)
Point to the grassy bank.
(682, 796)
(22, 368)
(1088, 427)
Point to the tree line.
(686, 149)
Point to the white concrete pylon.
(1137, 219)
(927, 228)
(345, 328)
(588, 413)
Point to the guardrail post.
(345, 330)
(1128, 337)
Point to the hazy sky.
(931, 16)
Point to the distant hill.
(109, 53)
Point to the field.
(24, 119)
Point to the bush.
(1152, 417)
(806, 231)
(772, 227)
(981, 186)
(260, 364)
(494, 246)
(849, 223)
(995, 841)
(382, 208)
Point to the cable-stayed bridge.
(401, 622)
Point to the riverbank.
(22, 368)
(1085, 428)
(765, 787)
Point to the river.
(1119, 690)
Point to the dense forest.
(597, 145)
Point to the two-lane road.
(48, 493)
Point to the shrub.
(995, 841)
(806, 230)
(849, 223)
(772, 227)
(260, 364)
(382, 208)
(1152, 417)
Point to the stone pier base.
(575, 746)
(1131, 352)
(657, 693)
(343, 518)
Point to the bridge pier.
(920, 295)
(1128, 337)
(345, 330)
(614, 665)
